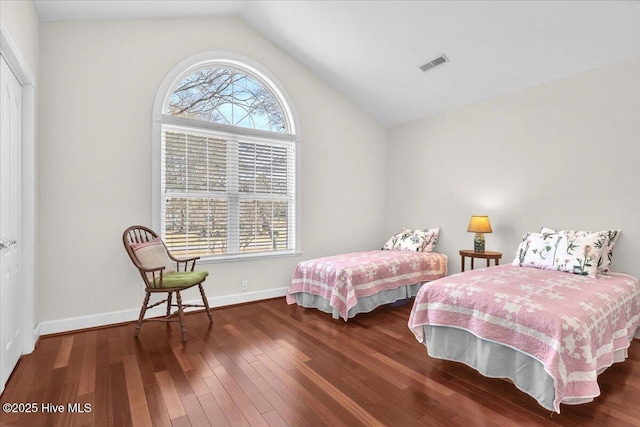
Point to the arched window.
(227, 172)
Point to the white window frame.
(251, 68)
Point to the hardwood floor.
(270, 364)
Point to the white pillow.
(605, 242)
(537, 250)
(566, 252)
(579, 254)
(393, 240)
(153, 254)
(419, 241)
(431, 238)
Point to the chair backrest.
(138, 234)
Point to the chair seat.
(182, 279)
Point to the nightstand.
(488, 255)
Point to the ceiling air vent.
(438, 61)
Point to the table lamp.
(479, 224)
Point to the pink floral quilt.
(572, 324)
(342, 279)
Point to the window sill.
(252, 257)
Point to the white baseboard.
(105, 319)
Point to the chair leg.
(169, 304)
(183, 327)
(205, 302)
(142, 311)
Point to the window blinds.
(226, 194)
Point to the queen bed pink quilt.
(576, 326)
(340, 282)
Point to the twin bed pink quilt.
(342, 279)
(572, 324)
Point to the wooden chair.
(161, 273)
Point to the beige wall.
(98, 84)
(564, 154)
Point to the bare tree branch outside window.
(223, 95)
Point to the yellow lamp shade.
(479, 224)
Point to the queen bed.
(349, 284)
(551, 321)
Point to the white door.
(11, 301)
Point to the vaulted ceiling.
(371, 51)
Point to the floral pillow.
(419, 241)
(605, 242)
(537, 250)
(579, 254)
(393, 240)
(570, 253)
(431, 237)
(409, 239)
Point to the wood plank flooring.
(270, 364)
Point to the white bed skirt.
(364, 305)
(498, 361)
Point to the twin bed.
(551, 322)
(345, 285)
(550, 332)
(358, 282)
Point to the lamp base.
(478, 242)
